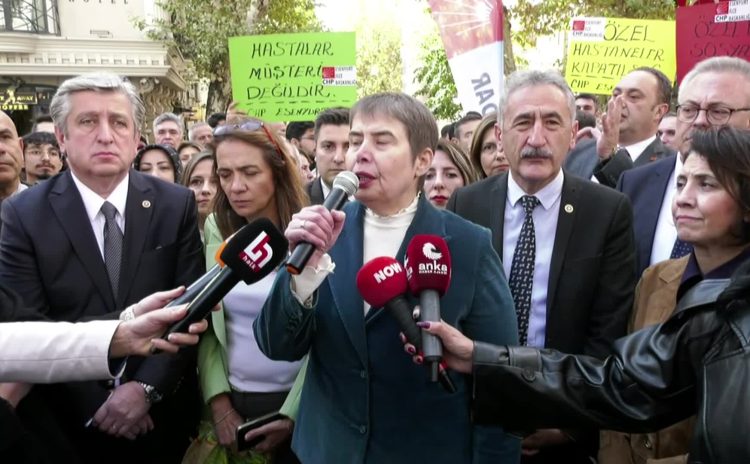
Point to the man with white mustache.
(566, 243)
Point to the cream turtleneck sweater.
(383, 236)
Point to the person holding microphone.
(693, 363)
(361, 400)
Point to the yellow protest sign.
(292, 77)
(602, 50)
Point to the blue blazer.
(364, 400)
(646, 187)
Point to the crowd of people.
(596, 308)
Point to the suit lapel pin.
(568, 208)
(146, 204)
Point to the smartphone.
(243, 444)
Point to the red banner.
(468, 24)
(707, 30)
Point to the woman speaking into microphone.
(361, 400)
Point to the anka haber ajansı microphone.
(249, 255)
(345, 184)
(382, 284)
(428, 271)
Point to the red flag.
(579, 25)
(329, 72)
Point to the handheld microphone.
(382, 283)
(428, 271)
(196, 287)
(345, 184)
(249, 255)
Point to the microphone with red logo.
(428, 271)
(382, 283)
(249, 255)
(345, 184)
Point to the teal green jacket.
(363, 398)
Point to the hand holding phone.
(276, 426)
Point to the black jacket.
(697, 362)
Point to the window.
(35, 16)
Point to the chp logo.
(258, 253)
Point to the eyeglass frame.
(249, 126)
(708, 114)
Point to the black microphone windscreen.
(255, 250)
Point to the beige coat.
(655, 299)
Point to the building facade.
(44, 42)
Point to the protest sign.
(293, 77)
(705, 31)
(602, 50)
(472, 33)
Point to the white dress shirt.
(634, 151)
(666, 233)
(93, 204)
(326, 190)
(637, 149)
(545, 227)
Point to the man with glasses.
(41, 156)
(628, 136)
(714, 93)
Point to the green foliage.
(536, 18)
(436, 81)
(199, 29)
(379, 65)
(531, 19)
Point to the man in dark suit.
(566, 243)
(11, 159)
(331, 145)
(716, 92)
(88, 243)
(629, 127)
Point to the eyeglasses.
(716, 115)
(249, 126)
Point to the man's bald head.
(11, 156)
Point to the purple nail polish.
(423, 324)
